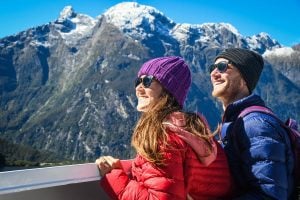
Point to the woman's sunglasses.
(221, 67)
(146, 81)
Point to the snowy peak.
(215, 34)
(137, 19)
(73, 26)
(66, 13)
(265, 38)
(220, 27)
(132, 14)
(262, 41)
(219, 33)
(142, 22)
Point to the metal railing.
(69, 182)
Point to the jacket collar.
(233, 110)
(176, 123)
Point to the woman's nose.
(139, 88)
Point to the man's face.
(228, 84)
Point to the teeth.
(142, 99)
(218, 83)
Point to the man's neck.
(227, 101)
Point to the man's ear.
(244, 86)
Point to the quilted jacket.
(259, 152)
(183, 177)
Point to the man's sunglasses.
(146, 81)
(221, 67)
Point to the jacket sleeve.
(149, 181)
(263, 152)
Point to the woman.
(168, 165)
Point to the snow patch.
(66, 13)
(136, 20)
(121, 109)
(253, 42)
(86, 147)
(130, 14)
(36, 43)
(283, 51)
(217, 27)
(87, 94)
(131, 101)
(80, 123)
(82, 24)
(181, 31)
(134, 57)
(230, 28)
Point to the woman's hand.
(107, 163)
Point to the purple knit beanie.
(172, 72)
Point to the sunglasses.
(146, 81)
(221, 67)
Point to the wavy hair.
(149, 133)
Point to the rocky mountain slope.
(67, 86)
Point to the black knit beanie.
(249, 63)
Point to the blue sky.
(278, 18)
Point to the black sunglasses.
(221, 67)
(146, 81)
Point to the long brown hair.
(149, 133)
(196, 125)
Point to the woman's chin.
(141, 108)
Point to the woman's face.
(147, 95)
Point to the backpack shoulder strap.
(223, 132)
(289, 124)
(246, 111)
(261, 109)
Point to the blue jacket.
(259, 152)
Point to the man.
(258, 148)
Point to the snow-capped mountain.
(74, 26)
(138, 20)
(143, 21)
(67, 86)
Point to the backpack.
(291, 128)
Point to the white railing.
(62, 182)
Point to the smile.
(218, 82)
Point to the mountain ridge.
(67, 86)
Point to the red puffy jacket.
(183, 177)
